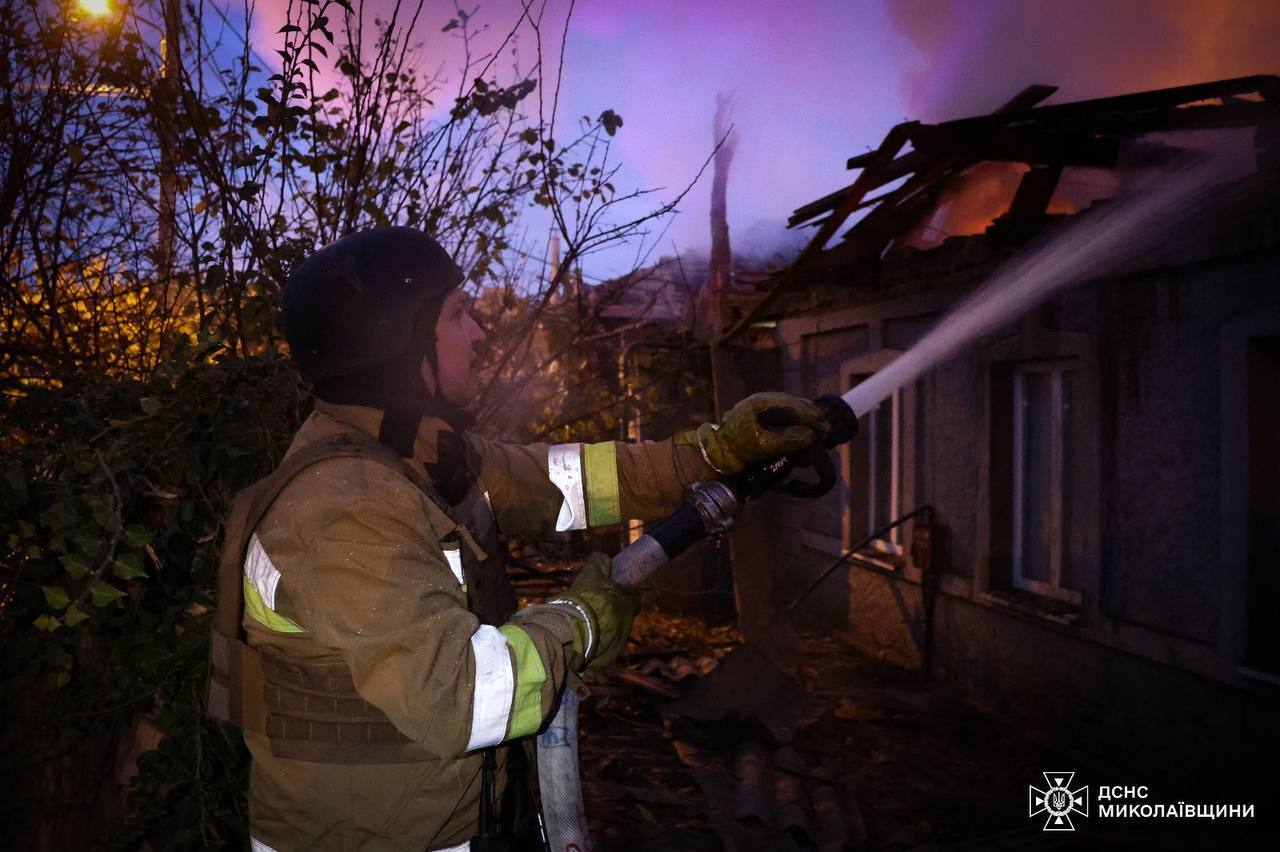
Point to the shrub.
(114, 491)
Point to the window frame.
(892, 555)
(893, 546)
(1059, 425)
(1233, 640)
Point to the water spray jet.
(1096, 242)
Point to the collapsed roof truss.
(928, 158)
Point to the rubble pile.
(695, 741)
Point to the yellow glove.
(742, 440)
(608, 609)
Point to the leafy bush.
(113, 493)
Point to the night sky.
(817, 81)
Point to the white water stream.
(1100, 242)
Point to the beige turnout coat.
(351, 567)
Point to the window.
(880, 468)
(876, 474)
(1042, 472)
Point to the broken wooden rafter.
(871, 236)
(909, 162)
(866, 202)
(1085, 133)
(871, 177)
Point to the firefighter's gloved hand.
(608, 610)
(764, 427)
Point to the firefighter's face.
(458, 338)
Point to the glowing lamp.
(95, 8)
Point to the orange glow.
(979, 195)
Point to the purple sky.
(789, 67)
(817, 81)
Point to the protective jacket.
(379, 619)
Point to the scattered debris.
(848, 753)
(678, 669)
(748, 685)
(650, 683)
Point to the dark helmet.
(359, 302)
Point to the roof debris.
(917, 164)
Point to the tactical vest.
(310, 710)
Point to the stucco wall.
(1149, 657)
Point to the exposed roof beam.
(1084, 133)
(871, 177)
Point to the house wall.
(1147, 650)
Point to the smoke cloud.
(820, 81)
(972, 57)
(975, 56)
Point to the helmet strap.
(399, 429)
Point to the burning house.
(1103, 472)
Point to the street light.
(165, 98)
(96, 8)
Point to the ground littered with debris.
(694, 741)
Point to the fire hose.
(709, 509)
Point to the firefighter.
(369, 641)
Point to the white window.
(1042, 465)
(876, 474)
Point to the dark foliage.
(113, 493)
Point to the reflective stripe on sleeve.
(260, 581)
(261, 571)
(564, 467)
(265, 615)
(600, 462)
(256, 845)
(526, 709)
(495, 684)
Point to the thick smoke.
(975, 56)
(767, 244)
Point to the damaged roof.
(917, 163)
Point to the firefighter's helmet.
(356, 303)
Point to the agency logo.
(1058, 801)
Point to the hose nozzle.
(843, 420)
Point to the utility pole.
(721, 269)
(166, 102)
(753, 550)
(721, 256)
(726, 376)
(727, 384)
